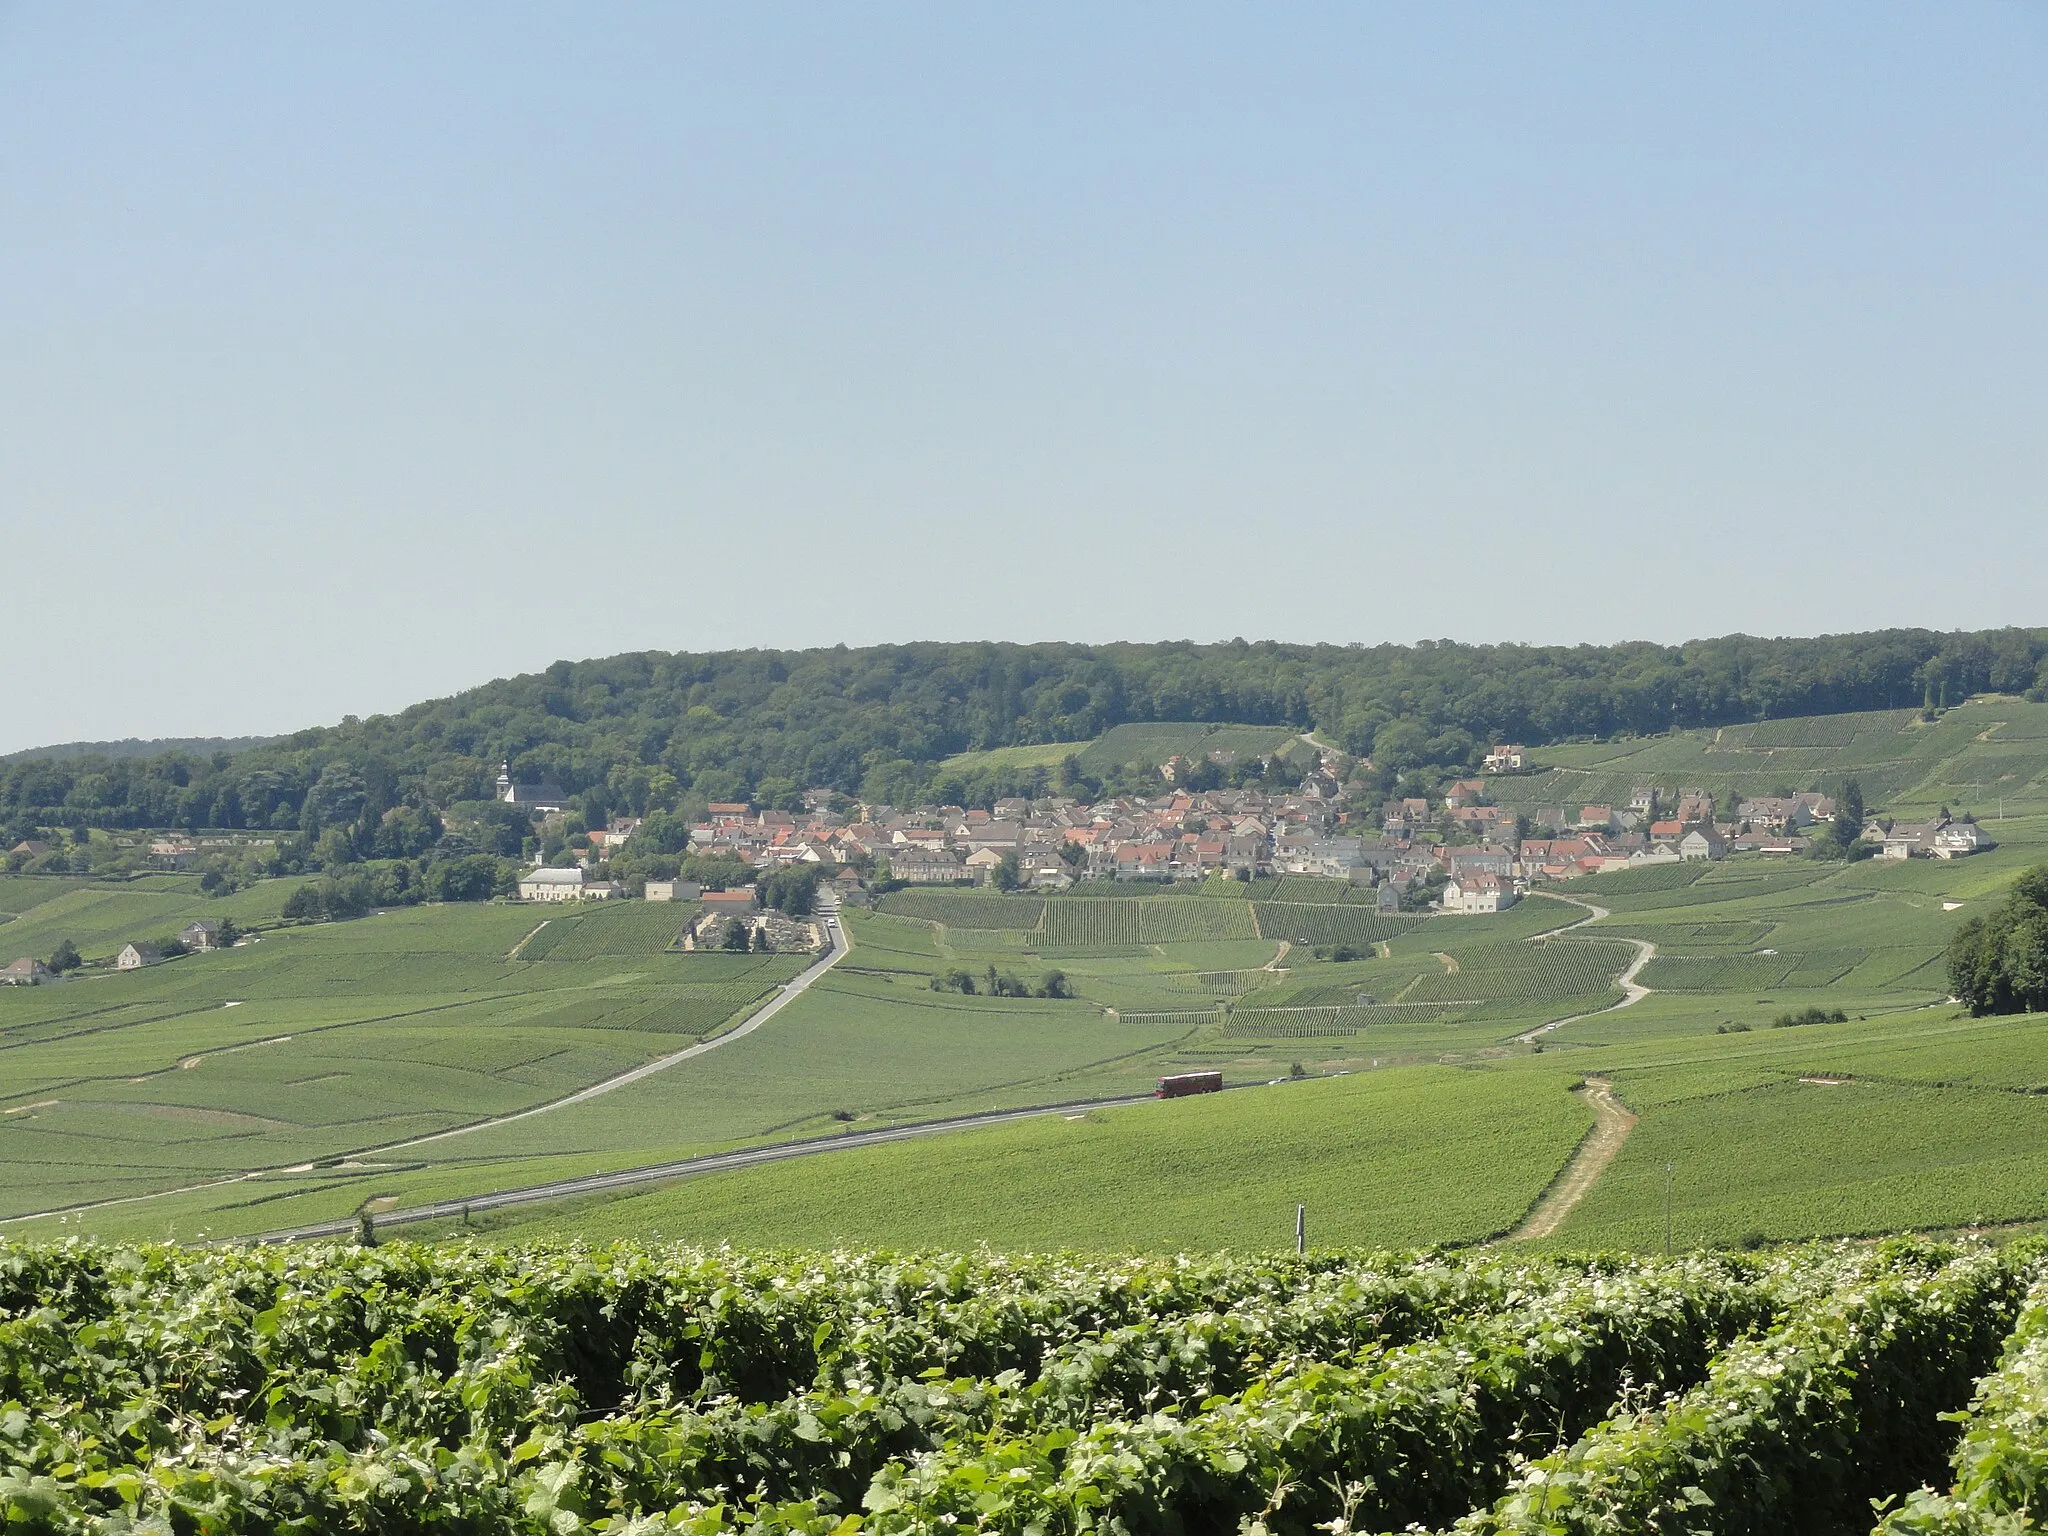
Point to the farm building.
(26, 972)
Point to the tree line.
(653, 731)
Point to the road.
(1632, 991)
(838, 948)
(716, 1162)
(1612, 1121)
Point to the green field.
(1153, 743)
(1433, 1154)
(1974, 757)
(321, 1055)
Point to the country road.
(837, 948)
(715, 1162)
(1612, 1121)
(1632, 991)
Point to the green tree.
(1007, 875)
(65, 957)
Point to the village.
(1458, 852)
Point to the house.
(924, 866)
(1596, 818)
(983, 863)
(545, 796)
(558, 885)
(201, 935)
(1667, 831)
(1654, 853)
(1389, 898)
(1959, 839)
(1506, 758)
(1908, 840)
(1472, 894)
(134, 957)
(31, 848)
(673, 890)
(1643, 800)
(170, 853)
(1702, 842)
(1144, 861)
(1465, 792)
(26, 972)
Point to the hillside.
(347, 1041)
(627, 733)
(1970, 758)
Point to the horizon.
(357, 357)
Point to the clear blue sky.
(353, 354)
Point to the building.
(201, 935)
(134, 957)
(1702, 842)
(560, 885)
(673, 890)
(741, 902)
(1506, 758)
(1959, 839)
(924, 866)
(26, 972)
(1477, 893)
(544, 796)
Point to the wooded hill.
(649, 729)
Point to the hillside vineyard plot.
(629, 1389)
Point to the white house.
(134, 957)
(1506, 758)
(1959, 839)
(1702, 842)
(1476, 893)
(562, 885)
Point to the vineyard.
(637, 1390)
(1361, 927)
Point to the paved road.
(626, 1178)
(837, 950)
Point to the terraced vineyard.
(635, 1389)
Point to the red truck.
(1185, 1083)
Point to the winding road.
(838, 946)
(1632, 991)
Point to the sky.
(351, 355)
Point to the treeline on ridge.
(652, 731)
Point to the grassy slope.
(1918, 1139)
(319, 1040)
(1428, 1155)
(1967, 759)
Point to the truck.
(1182, 1084)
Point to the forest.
(656, 731)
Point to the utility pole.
(1667, 1210)
(1301, 1229)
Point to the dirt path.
(1632, 991)
(1450, 965)
(1274, 963)
(1612, 1121)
